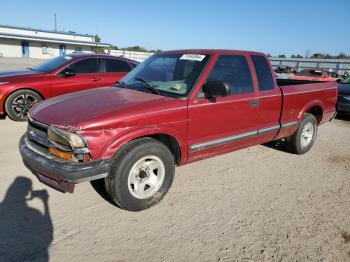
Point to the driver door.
(84, 76)
(223, 124)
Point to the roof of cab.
(212, 52)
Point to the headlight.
(346, 97)
(65, 138)
(3, 83)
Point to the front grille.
(37, 135)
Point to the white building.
(43, 44)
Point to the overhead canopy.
(52, 40)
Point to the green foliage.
(296, 56)
(281, 56)
(97, 39)
(328, 56)
(136, 49)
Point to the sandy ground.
(257, 204)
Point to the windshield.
(52, 64)
(168, 74)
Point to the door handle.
(254, 103)
(95, 79)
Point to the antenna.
(55, 22)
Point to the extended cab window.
(234, 70)
(84, 66)
(113, 66)
(263, 73)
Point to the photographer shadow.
(25, 233)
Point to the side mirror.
(68, 73)
(338, 80)
(214, 89)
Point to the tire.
(304, 137)
(17, 105)
(140, 174)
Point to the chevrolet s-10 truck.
(175, 108)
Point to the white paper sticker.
(68, 57)
(193, 57)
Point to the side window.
(234, 70)
(263, 73)
(114, 65)
(84, 66)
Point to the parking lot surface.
(259, 204)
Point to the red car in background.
(21, 89)
(313, 74)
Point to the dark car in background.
(343, 102)
(21, 89)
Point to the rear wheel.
(304, 137)
(18, 104)
(140, 175)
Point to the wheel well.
(21, 89)
(171, 143)
(317, 112)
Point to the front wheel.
(304, 137)
(18, 104)
(140, 175)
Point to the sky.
(270, 26)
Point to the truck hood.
(95, 107)
(344, 89)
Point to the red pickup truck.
(175, 108)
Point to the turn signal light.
(61, 154)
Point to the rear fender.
(311, 104)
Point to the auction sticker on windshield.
(194, 57)
(68, 57)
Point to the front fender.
(124, 137)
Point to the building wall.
(45, 34)
(10, 48)
(341, 66)
(40, 50)
(49, 50)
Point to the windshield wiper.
(148, 85)
(30, 69)
(119, 83)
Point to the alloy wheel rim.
(21, 105)
(146, 177)
(307, 135)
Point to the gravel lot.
(257, 204)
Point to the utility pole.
(55, 22)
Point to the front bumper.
(341, 107)
(343, 104)
(61, 176)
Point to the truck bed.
(298, 95)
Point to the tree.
(281, 56)
(342, 56)
(317, 55)
(114, 47)
(296, 56)
(97, 39)
(268, 55)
